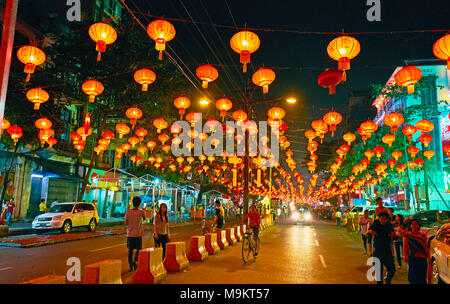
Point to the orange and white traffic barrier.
(48, 279)
(211, 243)
(150, 269)
(222, 239)
(104, 272)
(237, 233)
(231, 239)
(197, 250)
(242, 229)
(176, 259)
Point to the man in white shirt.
(135, 230)
(364, 222)
(54, 203)
(338, 217)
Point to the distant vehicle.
(65, 216)
(361, 209)
(440, 256)
(302, 214)
(427, 218)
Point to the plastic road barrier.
(197, 250)
(176, 259)
(49, 279)
(150, 268)
(237, 233)
(211, 243)
(104, 272)
(242, 229)
(229, 232)
(222, 239)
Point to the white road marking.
(317, 243)
(99, 249)
(6, 268)
(322, 260)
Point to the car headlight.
(307, 216)
(295, 215)
(56, 218)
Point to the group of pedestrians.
(135, 230)
(389, 234)
(6, 214)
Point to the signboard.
(359, 202)
(102, 179)
(401, 195)
(447, 179)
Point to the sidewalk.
(114, 228)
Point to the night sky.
(298, 58)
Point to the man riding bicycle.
(255, 221)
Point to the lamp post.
(248, 107)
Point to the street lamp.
(291, 100)
(204, 101)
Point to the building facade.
(429, 187)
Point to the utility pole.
(9, 27)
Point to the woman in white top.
(162, 228)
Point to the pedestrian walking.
(3, 213)
(356, 221)
(365, 222)
(219, 220)
(9, 212)
(135, 230)
(350, 218)
(162, 228)
(338, 218)
(416, 254)
(383, 232)
(399, 227)
(42, 206)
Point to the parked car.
(440, 255)
(65, 216)
(427, 218)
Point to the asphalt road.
(320, 253)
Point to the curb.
(52, 242)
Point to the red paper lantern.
(393, 120)
(441, 49)
(161, 31)
(37, 96)
(244, 43)
(207, 73)
(330, 78)
(263, 78)
(182, 103)
(31, 56)
(144, 77)
(332, 119)
(102, 34)
(407, 77)
(133, 113)
(343, 49)
(92, 88)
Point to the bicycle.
(248, 245)
(205, 225)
